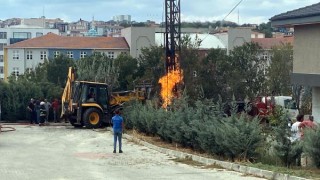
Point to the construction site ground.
(63, 152)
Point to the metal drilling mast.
(173, 33)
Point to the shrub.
(311, 145)
(287, 151)
(240, 137)
(201, 127)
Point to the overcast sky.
(249, 11)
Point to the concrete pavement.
(63, 152)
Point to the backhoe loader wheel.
(73, 123)
(92, 118)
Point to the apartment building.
(14, 34)
(122, 18)
(41, 22)
(306, 66)
(26, 55)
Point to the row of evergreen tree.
(238, 137)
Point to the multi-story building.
(26, 55)
(14, 34)
(79, 28)
(41, 22)
(306, 66)
(122, 18)
(110, 30)
(267, 44)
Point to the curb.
(227, 165)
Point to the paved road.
(63, 153)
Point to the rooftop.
(268, 43)
(307, 11)
(207, 41)
(306, 15)
(62, 42)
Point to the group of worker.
(39, 110)
(300, 126)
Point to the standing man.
(118, 126)
(31, 109)
(306, 124)
(47, 106)
(55, 106)
(296, 133)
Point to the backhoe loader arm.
(66, 96)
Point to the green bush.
(311, 145)
(288, 152)
(201, 127)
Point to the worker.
(118, 125)
(32, 111)
(43, 113)
(91, 95)
(306, 124)
(296, 134)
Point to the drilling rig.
(171, 81)
(172, 33)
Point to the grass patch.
(188, 161)
(310, 173)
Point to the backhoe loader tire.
(92, 118)
(73, 123)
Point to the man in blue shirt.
(118, 125)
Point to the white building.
(122, 18)
(41, 22)
(13, 34)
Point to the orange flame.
(168, 82)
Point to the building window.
(83, 54)
(38, 34)
(22, 35)
(43, 55)
(15, 55)
(2, 45)
(1, 58)
(1, 69)
(15, 71)
(28, 70)
(70, 54)
(3, 35)
(111, 55)
(56, 54)
(29, 55)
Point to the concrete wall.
(316, 104)
(306, 54)
(237, 37)
(223, 37)
(138, 38)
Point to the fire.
(168, 83)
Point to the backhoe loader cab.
(89, 104)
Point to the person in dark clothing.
(32, 112)
(37, 107)
(117, 122)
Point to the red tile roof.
(268, 43)
(64, 42)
